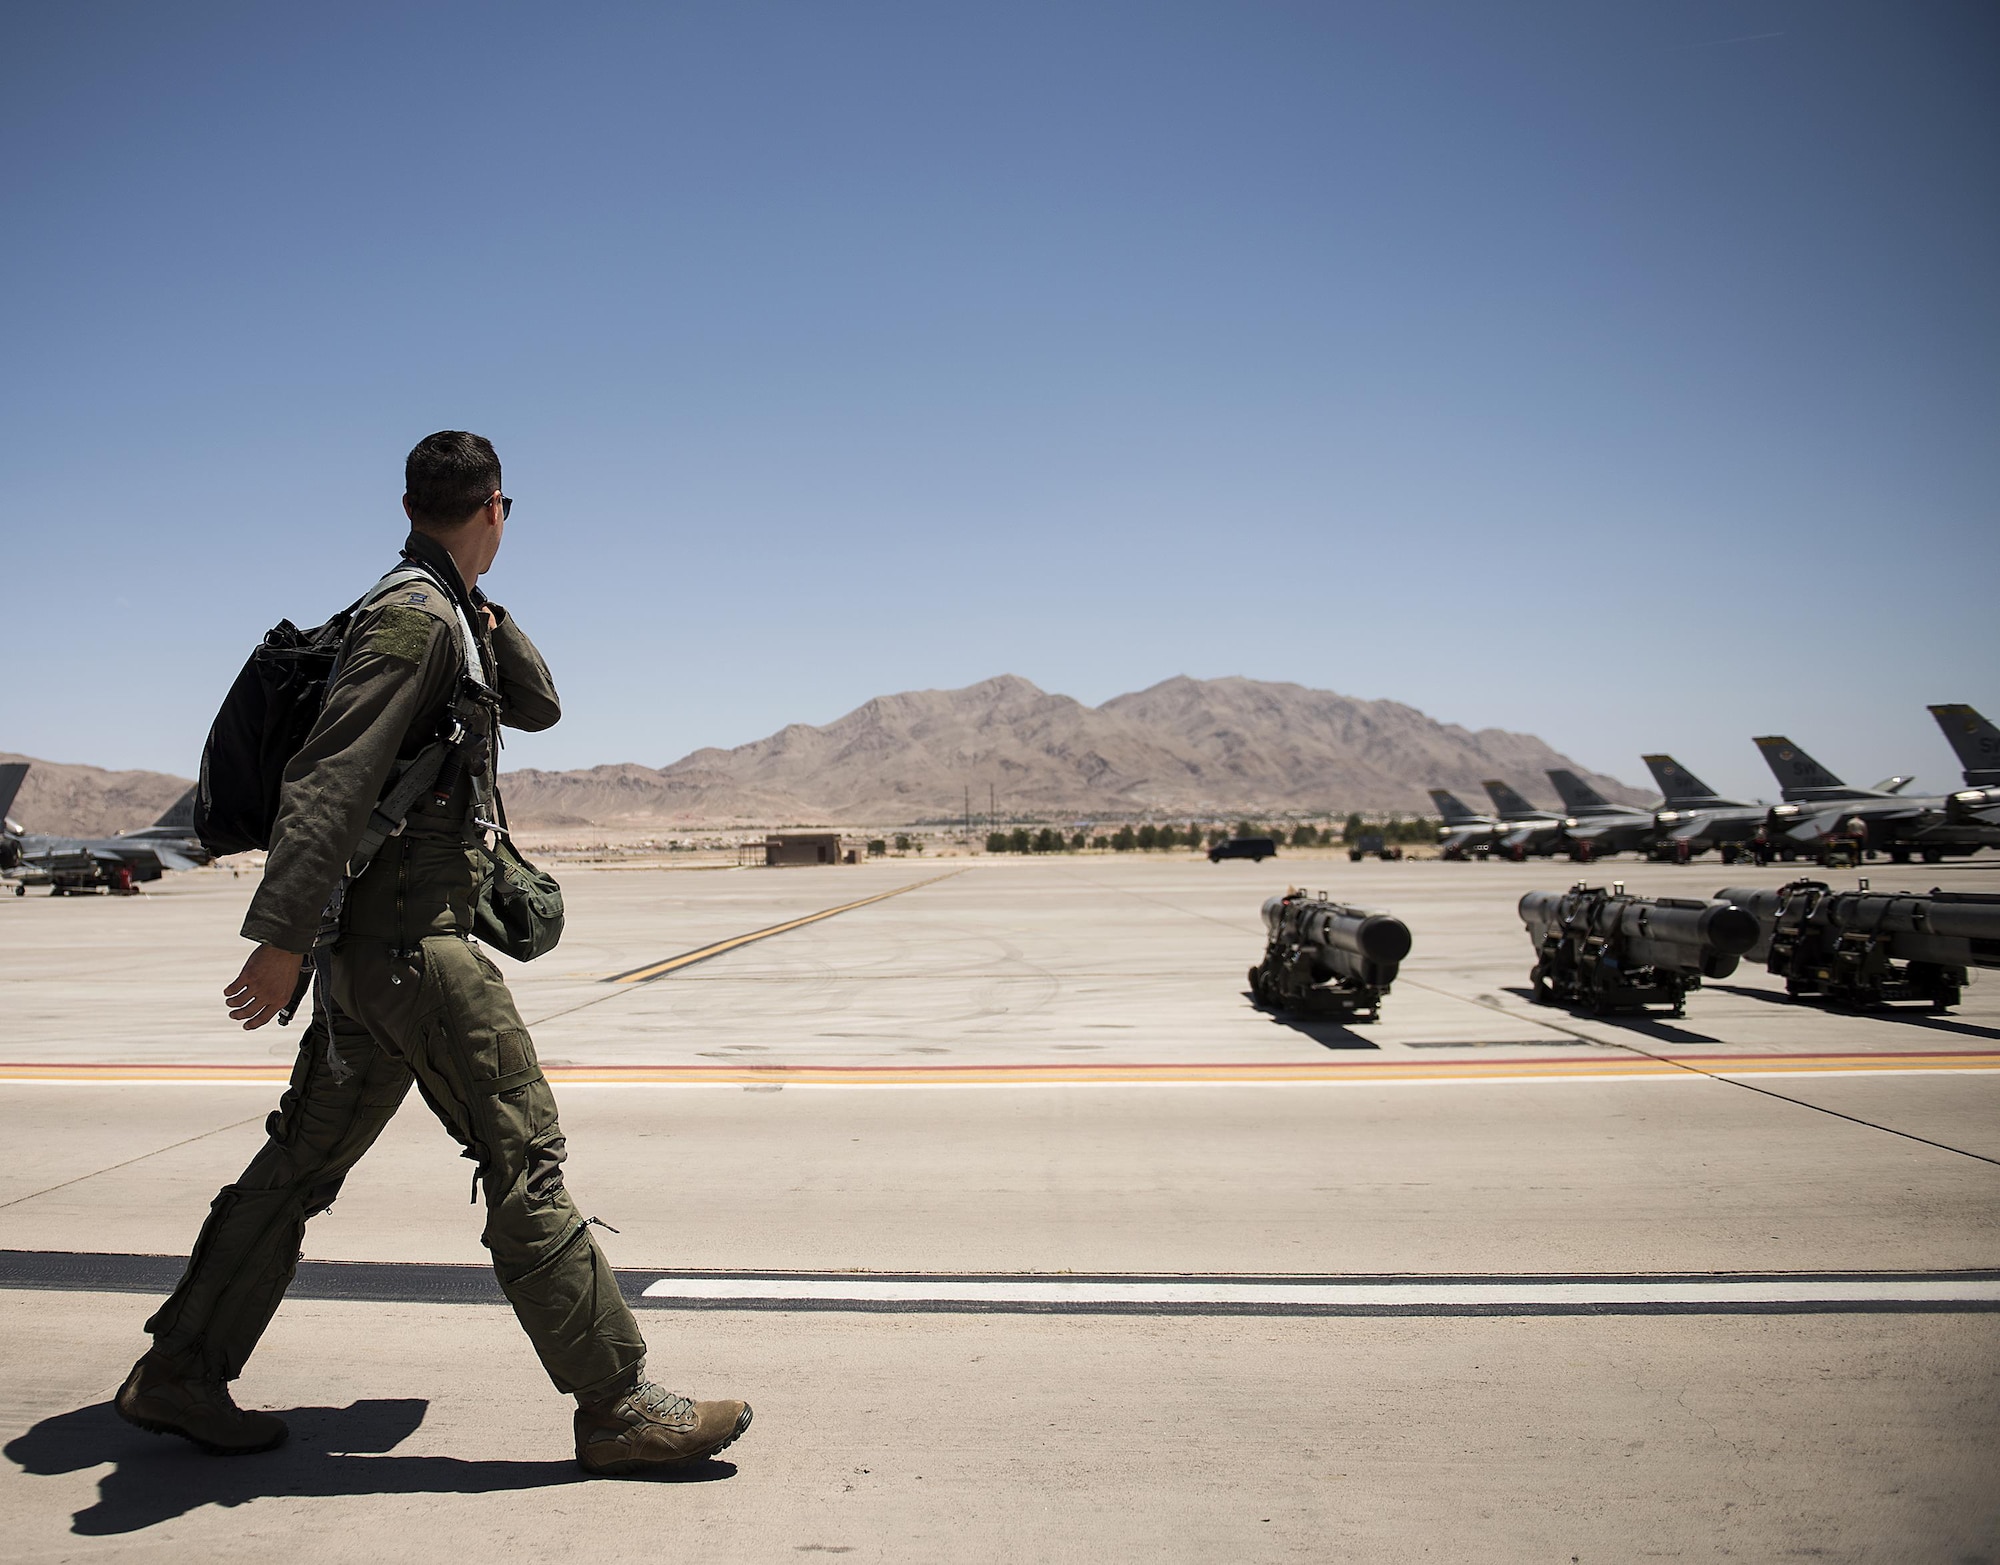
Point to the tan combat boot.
(649, 1428)
(162, 1400)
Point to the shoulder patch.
(399, 631)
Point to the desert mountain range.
(1186, 747)
(1207, 747)
(88, 801)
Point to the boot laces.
(656, 1401)
(217, 1393)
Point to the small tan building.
(803, 847)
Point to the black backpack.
(265, 719)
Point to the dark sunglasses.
(506, 504)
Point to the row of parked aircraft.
(1820, 815)
(87, 864)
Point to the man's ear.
(412, 515)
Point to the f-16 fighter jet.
(1976, 742)
(1819, 808)
(1527, 829)
(1595, 828)
(68, 865)
(1463, 831)
(1978, 745)
(1693, 817)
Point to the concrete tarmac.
(1043, 1067)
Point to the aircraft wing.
(70, 856)
(1981, 812)
(1810, 828)
(169, 859)
(1912, 808)
(74, 855)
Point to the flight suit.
(403, 996)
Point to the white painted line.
(566, 1083)
(1370, 1295)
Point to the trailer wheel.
(1258, 992)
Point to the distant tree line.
(1127, 839)
(1419, 828)
(1153, 839)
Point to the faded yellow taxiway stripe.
(674, 964)
(1338, 1073)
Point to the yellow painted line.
(674, 964)
(1356, 1073)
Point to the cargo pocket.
(322, 1195)
(544, 1180)
(521, 1094)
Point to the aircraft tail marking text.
(1974, 739)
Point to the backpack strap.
(391, 812)
(386, 820)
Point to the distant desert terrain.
(1185, 749)
(88, 801)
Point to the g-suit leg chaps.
(248, 1250)
(444, 1018)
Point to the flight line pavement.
(1136, 1136)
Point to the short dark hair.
(448, 476)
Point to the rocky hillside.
(87, 801)
(1210, 747)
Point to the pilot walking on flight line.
(404, 996)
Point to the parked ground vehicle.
(1256, 849)
(1373, 844)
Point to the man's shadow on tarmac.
(332, 1451)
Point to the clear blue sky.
(1627, 374)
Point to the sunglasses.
(506, 504)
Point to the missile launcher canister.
(1325, 958)
(1867, 948)
(1606, 951)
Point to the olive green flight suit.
(403, 996)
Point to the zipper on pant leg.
(579, 1230)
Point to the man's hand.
(264, 987)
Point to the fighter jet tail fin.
(1576, 794)
(1796, 771)
(1677, 784)
(10, 784)
(1976, 741)
(1507, 801)
(1451, 809)
(180, 813)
